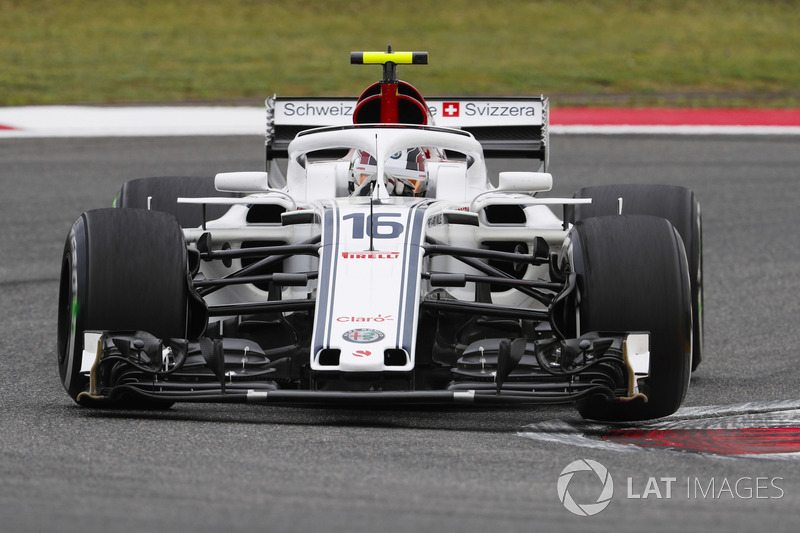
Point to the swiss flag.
(451, 109)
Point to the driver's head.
(406, 173)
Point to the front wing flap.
(126, 367)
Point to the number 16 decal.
(375, 225)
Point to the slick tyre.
(163, 193)
(632, 275)
(676, 204)
(122, 269)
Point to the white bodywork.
(371, 255)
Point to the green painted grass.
(634, 52)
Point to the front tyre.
(122, 269)
(632, 275)
(678, 205)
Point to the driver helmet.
(405, 173)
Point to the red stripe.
(600, 116)
(6, 127)
(713, 441)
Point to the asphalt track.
(250, 468)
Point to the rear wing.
(506, 127)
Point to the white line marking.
(86, 121)
(153, 121)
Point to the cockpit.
(408, 159)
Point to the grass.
(634, 52)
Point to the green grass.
(634, 52)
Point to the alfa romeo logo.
(585, 509)
(363, 335)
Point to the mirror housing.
(241, 182)
(525, 181)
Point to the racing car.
(376, 261)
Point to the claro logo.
(377, 318)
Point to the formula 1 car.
(375, 262)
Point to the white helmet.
(405, 173)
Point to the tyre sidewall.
(71, 309)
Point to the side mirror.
(241, 182)
(525, 181)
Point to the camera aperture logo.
(604, 478)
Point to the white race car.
(375, 262)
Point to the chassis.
(281, 287)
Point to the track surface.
(247, 468)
